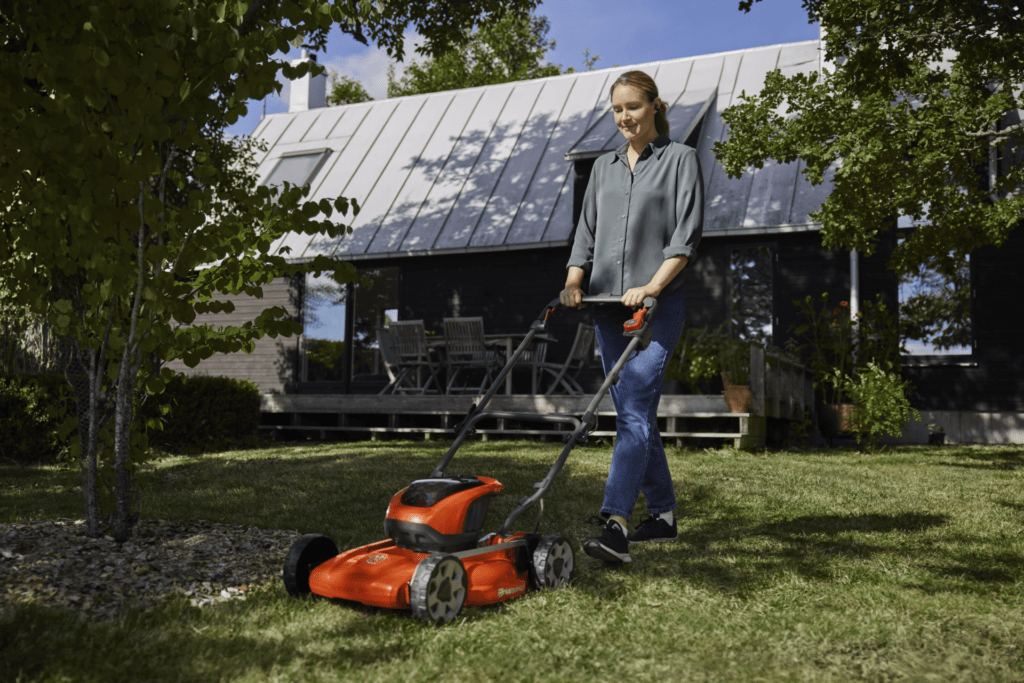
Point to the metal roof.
(489, 168)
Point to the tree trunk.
(124, 481)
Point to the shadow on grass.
(148, 647)
(735, 555)
(982, 457)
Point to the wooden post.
(757, 380)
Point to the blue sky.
(621, 32)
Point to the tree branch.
(997, 134)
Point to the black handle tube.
(587, 423)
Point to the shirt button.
(618, 262)
(623, 215)
(620, 239)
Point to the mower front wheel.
(306, 554)
(553, 562)
(438, 588)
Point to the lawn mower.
(436, 558)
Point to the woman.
(641, 223)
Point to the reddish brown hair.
(646, 85)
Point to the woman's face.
(634, 115)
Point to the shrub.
(206, 413)
(29, 409)
(880, 403)
(834, 345)
(696, 358)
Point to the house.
(469, 200)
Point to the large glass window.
(935, 312)
(751, 303)
(375, 295)
(935, 307)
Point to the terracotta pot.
(738, 397)
(837, 419)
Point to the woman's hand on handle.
(634, 298)
(572, 295)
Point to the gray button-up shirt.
(632, 221)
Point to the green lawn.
(820, 566)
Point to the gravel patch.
(55, 563)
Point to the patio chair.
(399, 376)
(532, 360)
(579, 356)
(467, 351)
(414, 354)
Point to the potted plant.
(936, 435)
(695, 360)
(734, 359)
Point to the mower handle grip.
(650, 302)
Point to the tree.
(917, 100)
(344, 89)
(129, 210)
(508, 50)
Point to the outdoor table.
(512, 340)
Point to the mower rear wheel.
(553, 562)
(438, 588)
(306, 554)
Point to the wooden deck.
(782, 389)
(434, 416)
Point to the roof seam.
(540, 159)
(341, 191)
(443, 166)
(419, 157)
(387, 163)
(504, 166)
(472, 168)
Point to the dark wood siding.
(274, 362)
(508, 289)
(993, 378)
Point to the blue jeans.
(638, 460)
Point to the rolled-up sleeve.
(689, 209)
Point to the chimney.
(308, 92)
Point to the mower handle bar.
(639, 337)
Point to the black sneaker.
(611, 545)
(654, 529)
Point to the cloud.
(370, 67)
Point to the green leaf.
(95, 100)
(155, 385)
(184, 90)
(101, 56)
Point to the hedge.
(206, 413)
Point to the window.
(297, 169)
(935, 312)
(935, 308)
(324, 307)
(751, 301)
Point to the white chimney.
(308, 92)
